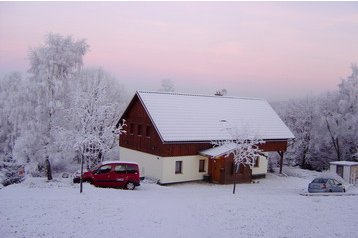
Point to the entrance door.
(216, 170)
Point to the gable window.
(202, 165)
(131, 128)
(139, 131)
(178, 167)
(147, 131)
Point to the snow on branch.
(119, 130)
(242, 145)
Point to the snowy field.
(271, 208)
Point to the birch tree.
(52, 66)
(97, 104)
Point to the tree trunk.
(281, 159)
(335, 141)
(48, 170)
(235, 176)
(81, 180)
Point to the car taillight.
(323, 186)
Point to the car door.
(120, 175)
(337, 187)
(102, 177)
(133, 173)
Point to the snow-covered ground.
(270, 208)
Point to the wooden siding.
(222, 171)
(152, 144)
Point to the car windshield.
(95, 167)
(320, 180)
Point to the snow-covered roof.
(187, 117)
(219, 150)
(345, 163)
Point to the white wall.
(332, 168)
(262, 169)
(190, 169)
(163, 168)
(346, 172)
(151, 166)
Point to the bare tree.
(243, 146)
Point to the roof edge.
(199, 95)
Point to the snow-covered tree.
(167, 85)
(325, 126)
(243, 145)
(61, 111)
(52, 66)
(98, 100)
(11, 89)
(299, 115)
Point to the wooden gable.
(142, 135)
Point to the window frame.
(139, 130)
(202, 165)
(131, 128)
(101, 171)
(179, 167)
(257, 162)
(147, 131)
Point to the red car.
(114, 174)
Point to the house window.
(139, 131)
(257, 162)
(178, 167)
(202, 165)
(147, 131)
(339, 170)
(131, 128)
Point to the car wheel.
(130, 186)
(344, 190)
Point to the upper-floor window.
(131, 128)
(139, 130)
(147, 131)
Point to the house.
(348, 170)
(170, 135)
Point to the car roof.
(320, 179)
(118, 162)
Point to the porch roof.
(218, 150)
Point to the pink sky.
(275, 50)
